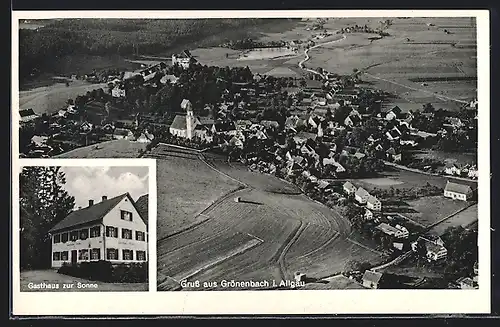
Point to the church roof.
(179, 122)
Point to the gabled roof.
(94, 213)
(372, 199)
(349, 185)
(224, 126)
(185, 104)
(362, 192)
(372, 276)
(26, 112)
(179, 122)
(457, 188)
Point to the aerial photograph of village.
(300, 153)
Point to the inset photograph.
(84, 228)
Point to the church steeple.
(190, 124)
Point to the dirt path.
(281, 259)
(418, 171)
(306, 54)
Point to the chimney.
(104, 198)
(91, 202)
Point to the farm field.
(109, 149)
(464, 219)
(185, 187)
(411, 56)
(401, 179)
(430, 209)
(270, 233)
(52, 277)
(50, 99)
(459, 158)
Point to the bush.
(104, 271)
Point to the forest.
(101, 37)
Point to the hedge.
(106, 272)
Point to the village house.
(123, 134)
(368, 215)
(352, 120)
(112, 230)
(361, 195)
(393, 155)
(145, 137)
(452, 169)
(373, 203)
(172, 79)
(371, 279)
(302, 137)
(434, 249)
(397, 231)
(119, 92)
(349, 188)
(27, 115)
(394, 113)
(182, 59)
(458, 191)
(467, 283)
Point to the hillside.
(38, 49)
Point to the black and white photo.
(84, 228)
(295, 153)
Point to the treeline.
(37, 48)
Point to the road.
(418, 171)
(306, 54)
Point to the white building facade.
(119, 236)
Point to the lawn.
(433, 208)
(50, 99)
(464, 218)
(109, 149)
(30, 280)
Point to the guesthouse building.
(113, 230)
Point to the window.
(95, 254)
(64, 254)
(140, 236)
(73, 236)
(111, 231)
(141, 255)
(95, 231)
(64, 237)
(84, 234)
(56, 256)
(57, 238)
(126, 233)
(128, 255)
(112, 254)
(126, 215)
(83, 254)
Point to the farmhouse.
(118, 92)
(349, 188)
(458, 191)
(123, 134)
(452, 169)
(371, 279)
(361, 195)
(183, 59)
(393, 113)
(433, 249)
(398, 231)
(373, 203)
(466, 283)
(111, 230)
(368, 215)
(145, 137)
(27, 115)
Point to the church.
(187, 126)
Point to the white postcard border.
(267, 302)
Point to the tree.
(43, 203)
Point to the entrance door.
(73, 256)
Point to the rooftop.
(457, 188)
